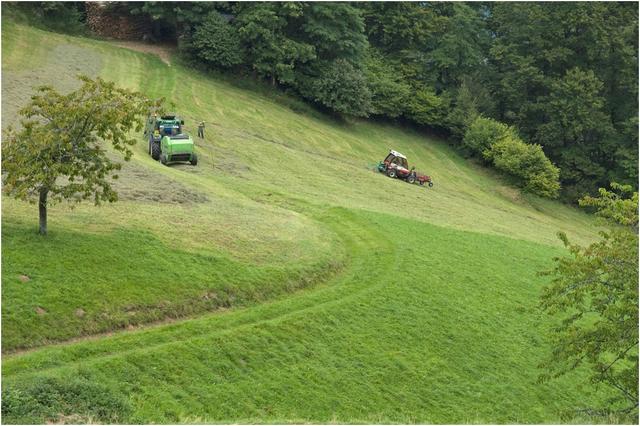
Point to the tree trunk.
(42, 208)
(273, 80)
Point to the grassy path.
(357, 238)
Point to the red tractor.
(396, 166)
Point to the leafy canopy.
(484, 132)
(594, 293)
(527, 163)
(389, 93)
(58, 149)
(216, 42)
(343, 88)
(566, 74)
(270, 50)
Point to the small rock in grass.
(80, 312)
(24, 278)
(40, 310)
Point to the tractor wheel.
(163, 159)
(430, 184)
(194, 159)
(155, 151)
(411, 179)
(391, 173)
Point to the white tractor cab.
(396, 160)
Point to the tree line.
(551, 87)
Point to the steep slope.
(355, 298)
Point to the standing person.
(201, 129)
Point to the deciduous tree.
(58, 154)
(342, 88)
(594, 296)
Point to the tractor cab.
(169, 125)
(169, 129)
(394, 160)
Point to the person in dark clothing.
(201, 129)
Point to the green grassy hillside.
(280, 280)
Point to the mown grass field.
(280, 280)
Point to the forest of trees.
(553, 85)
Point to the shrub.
(483, 132)
(500, 145)
(51, 399)
(216, 42)
(527, 163)
(426, 108)
(342, 88)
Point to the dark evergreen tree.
(215, 41)
(270, 51)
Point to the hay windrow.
(138, 183)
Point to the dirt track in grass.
(164, 51)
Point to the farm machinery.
(395, 165)
(167, 142)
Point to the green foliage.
(61, 16)
(595, 293)
(57, 153)
(527, 163)
(216, 42)
(342, 88)
(484, 132)
(463, 113)
(170, 19)
(566, 75)
(270, 51)
(426, 108)
(577, 129)
(335, 30)
(617, 207)
(460, 46)
(389, 92)
(398, 28)
(62, 400)
(500, 144)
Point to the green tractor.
(167, 142)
